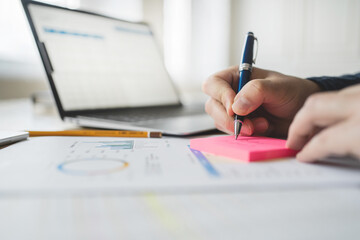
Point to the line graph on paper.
(96, 158)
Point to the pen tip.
(237, 128)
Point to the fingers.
(339, 140)
(328, 124)
(220, 87)
(319, 111)
(253, 95)
(261, 125)
(223, 121)
(247, 128)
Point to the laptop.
(109, 73)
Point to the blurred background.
(199, 37)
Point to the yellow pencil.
(97, 133)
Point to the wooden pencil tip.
(155, 134)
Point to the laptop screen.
(100, 62)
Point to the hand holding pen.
(269, 101)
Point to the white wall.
(196, 39)
(300, 37)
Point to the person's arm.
(336, 83)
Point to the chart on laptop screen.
(99, 62)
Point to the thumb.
(252, 96)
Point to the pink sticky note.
(247, 149)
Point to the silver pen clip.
(257, 48)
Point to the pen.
(97, 133)
(245, 68)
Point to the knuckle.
(208, 106)
(206, 85)
(259, 85)
(312, 102)
(318, 100)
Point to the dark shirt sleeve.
(336, 83)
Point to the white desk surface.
(22, 114)
(328, 213)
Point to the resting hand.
(270, 101)
(328, 124)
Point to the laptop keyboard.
(134, 115)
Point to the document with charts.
(129, 165)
